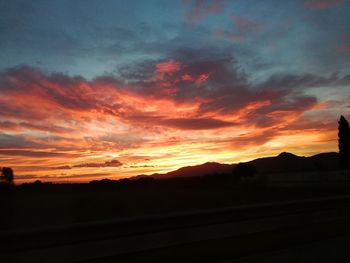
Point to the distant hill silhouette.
(283, 163)
(209, 168)
(288, 162)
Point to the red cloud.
(58, 117)
(187, 77)
(72, 103)
(344, 49)
(171, 66)
(202, 8)
(202, 78)
(322, 4)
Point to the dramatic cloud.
(223, 88)
(199, 94)
(169, 67)
(174, 85)
(194, 100)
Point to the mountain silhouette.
(287, 162)
(283, 163)
(208, 168)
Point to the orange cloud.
(58, 121)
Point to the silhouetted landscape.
(174, 131)
(206, 186)
(283, 163)
(186, 192)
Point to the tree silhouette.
(344, 142)
(7, 174)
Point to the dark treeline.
(211, 180)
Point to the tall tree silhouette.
(344, 142)
(7, 174)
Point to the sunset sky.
(112, 89)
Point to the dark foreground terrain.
(241, 233)
(206, 186)
(202, 219)
(41, 204)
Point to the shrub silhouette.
(7, 175)
(344, 142)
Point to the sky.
(112, 89)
